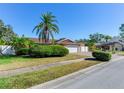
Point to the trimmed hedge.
(48, 51)
(22, 51)
(102, 56)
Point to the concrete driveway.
(104, 76)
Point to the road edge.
(90, 69)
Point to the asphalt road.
(110, 76)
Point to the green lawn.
(120, 53)
(33, 78)
(13, 62)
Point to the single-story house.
(117, 45)
(72, 46)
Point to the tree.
(79, 41)
(121, 28)
(96, 37)
(107, 37)
(21, 42)
(90, 43)
(46, 27)
(6, 35)
(2, 28)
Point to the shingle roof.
(60, 41)
(36, 40)
(112, 41)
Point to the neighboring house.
(114, 44)
(72, 46)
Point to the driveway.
(107, 76)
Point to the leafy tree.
(6, 35)
(2, 42)
(90, 44)
(93, 39)
(21, 42)
(46, 27)
(79, 41)
(121, 28)
(96, 37)
(107, 37)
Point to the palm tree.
(46, 27)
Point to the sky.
(75, 21)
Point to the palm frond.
(55, 28)
(48, 25)
(34, 29)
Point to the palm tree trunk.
(46, 37)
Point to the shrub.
(58, 50)
(22, 51)
(47, 51)
(21, 42)
(102, 56)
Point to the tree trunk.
(45, 34)
(46, 37)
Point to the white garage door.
(84, 49)
(72, 49)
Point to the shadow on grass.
(27, 56)
(13, 56)
(94, 59)
(7, 56)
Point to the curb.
(72, 76)
(63, 78)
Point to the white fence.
(7, 50)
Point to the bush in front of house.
(48, 51)
(40, 51)
(22, 51)
(58, 50)
(102, 56)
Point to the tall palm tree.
(46, 27)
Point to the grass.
(13, 62)
(33, 78)
(120, 53)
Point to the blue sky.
(75, 20)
